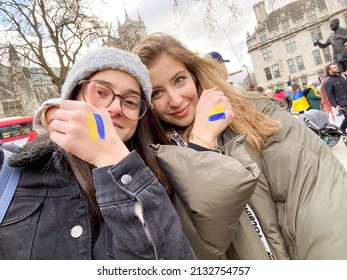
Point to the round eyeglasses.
(133, 107)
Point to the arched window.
(262, 36)
(311, 16)
(285, 26)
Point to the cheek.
(159, 108)
(132, 125)
(128, 133)
(194, 96)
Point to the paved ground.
(340, 151)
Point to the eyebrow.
(128, 91)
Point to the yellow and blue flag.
(300, 102)
(96, 127)
(216, 114)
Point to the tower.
(25, 101)
(130, 33)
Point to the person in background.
(89, 190)
(336, 89)
(288, 210)
(45, 114)
(320, 81)
(260, 90)
(221, 62)
(280, 96)
(268, 92)
(289, 100)
(283, 100)
(337, 39)
(312, 96)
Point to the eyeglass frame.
(147, 106)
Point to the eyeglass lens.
(133, 107)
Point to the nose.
(175, 98)
(115, 107)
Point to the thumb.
(92, 96)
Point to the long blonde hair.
(206, 75)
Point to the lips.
(117, 125)
(181, 113)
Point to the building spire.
(12, 54)
(139, 17)
(126, 15)
(118, 23)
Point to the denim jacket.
(50, 218)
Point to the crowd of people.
(154, 155)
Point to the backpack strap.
(9, 177)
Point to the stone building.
(282, 44)
(22, 90)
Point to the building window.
(267, 53)
(311, 16)
(268, 73)
(290, 44)
(316, 34)
(327, 55)
(262, 37)
(286, 26)
(295, 81)
(291, 66)
(317, 57)
(300, 62)
(276, 71)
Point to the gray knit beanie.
(105, 59)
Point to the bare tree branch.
(210, 20)
(49, 34)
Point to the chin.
(183, 123)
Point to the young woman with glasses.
(91, 188)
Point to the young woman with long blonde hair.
(251, 181)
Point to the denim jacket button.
(126, 179)
(76, 231)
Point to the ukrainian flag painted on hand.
(300, 102)
(96, 127)
(216, 114)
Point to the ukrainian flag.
(216, 114)
(96, 127)
(300, 102)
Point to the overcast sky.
(159, 16)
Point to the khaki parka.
(296, 188)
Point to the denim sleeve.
(136, 208)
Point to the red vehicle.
(17, 130)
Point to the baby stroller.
(318, 122)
